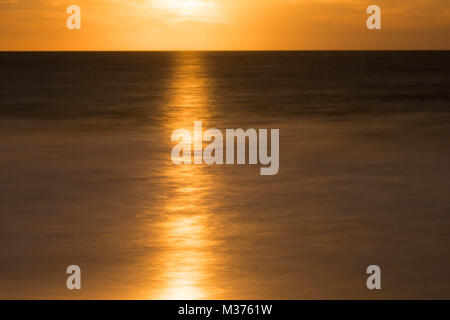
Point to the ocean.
(86, 176)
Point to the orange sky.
(224, 25)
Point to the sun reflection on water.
(186, 236)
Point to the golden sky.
(224, 25)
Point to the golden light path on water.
(186, 236)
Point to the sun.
(188, 8)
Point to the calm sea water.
(86, 176)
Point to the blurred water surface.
(86, 176)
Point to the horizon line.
(232, 50)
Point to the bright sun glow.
(188, 8)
